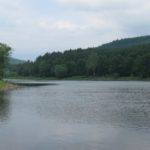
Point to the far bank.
(84, 78)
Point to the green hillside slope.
(127, 42)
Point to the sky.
(34, 27)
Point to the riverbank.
(85, 78)
(6, 86)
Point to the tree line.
(4, 53)
(99, 61)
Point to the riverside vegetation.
(4, 53)
(120, 59)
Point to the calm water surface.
(76, 115)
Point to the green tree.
(92, 63)
(4, 53)
(61, 71)
(81, 67)
(142, 66)
(105, 60)
(103, 66)
(72, 68)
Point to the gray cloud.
(101, 4)
(33, 28)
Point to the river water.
(76, 115)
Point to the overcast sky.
(33, 27)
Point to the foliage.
(92, 63)
(4, 53)
(128, 42)
(121, 61)
(60, 71)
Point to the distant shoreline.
(84, 78)
(8, 86)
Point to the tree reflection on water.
(4, 107)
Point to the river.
(76, 115)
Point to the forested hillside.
(114, 61)
(127, 42)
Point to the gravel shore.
(8, 86)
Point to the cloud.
(101, 4)
(34, 27)
(66, 25)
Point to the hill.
(14, 61)
(123, 58)
(127, 42)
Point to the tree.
(142, 66)
(81, 67)
(103, 66)
(61, 71)
(92, 63)
(72, 68)
(100, 61)
(4, 53)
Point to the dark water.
(76, 115)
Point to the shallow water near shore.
(76, 115)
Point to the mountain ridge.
(15, 61)
(127, 42)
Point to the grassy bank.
(2, 84)
(5, 86)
